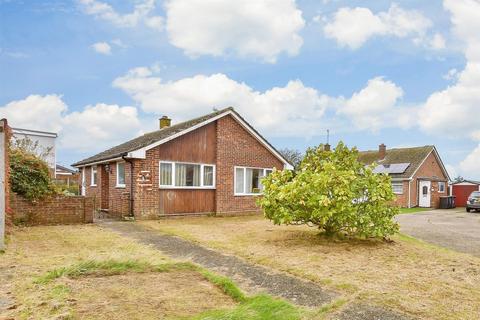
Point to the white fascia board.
(98, 162)
(141, 153)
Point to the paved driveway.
(454, 229)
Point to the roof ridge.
(148, 138)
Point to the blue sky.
(99, 72)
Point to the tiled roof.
(414, 156)
(148, 139)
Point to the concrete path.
(454, 228)
(250, 277)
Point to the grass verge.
(413, 210)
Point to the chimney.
(326, 147)
(382, 151)
(165, 122)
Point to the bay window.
(186, 175)
(248, 181)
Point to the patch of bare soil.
(143, 296)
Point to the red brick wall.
(52, 210)
(431, 169)
(402, 199)
(236, 147)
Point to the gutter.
(130, 203)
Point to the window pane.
(187, 175)
(94, 175)
(165, 174)
(397, 187)
(441, 186)
(253, 180)
(208, 176)
(121, 173)
(239, 178)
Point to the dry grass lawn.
(418, 279)
(32, 252)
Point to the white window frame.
(92, 174)
(235, 193)
(201, 186)
(444, 187)
(120, 185)
(398, 183)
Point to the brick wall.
(106, 194)
(431, 169)
(52, 210)
(402, 199)
(236, 147)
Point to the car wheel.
(468, 209)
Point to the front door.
(425, 194)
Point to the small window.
(94, 176)
(397, 187)
(120, 174)
(166, 174)
(248, 181)
(208, 176)
(441, 187)
(425, 190)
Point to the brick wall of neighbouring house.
(52, 210)
(431, 169)
(402, 199)
(236, 147)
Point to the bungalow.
(211, 164)
(419, 177)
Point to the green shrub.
(334, 191)
(29, 175)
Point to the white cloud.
(437, 42)
(102, 48)
(470, 167)
(142, 13)
(352, 27)
(261, 29)
(376, 106)
(35, 112)
(452, 74)
(290, 110)
(98, 127)
(454, 110)
(91, 129)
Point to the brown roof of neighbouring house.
(415, 156)
(152, 137)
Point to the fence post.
(2, 183)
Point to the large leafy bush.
(29, 175)
(334, 191)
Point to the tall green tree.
(333, 191)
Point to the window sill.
(120, 186)
(186, 188)
(248, 194)
(93, 185)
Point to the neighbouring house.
(66, 175)
(419, 177)
(462, 189)
(208, 165)
(43, 141)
